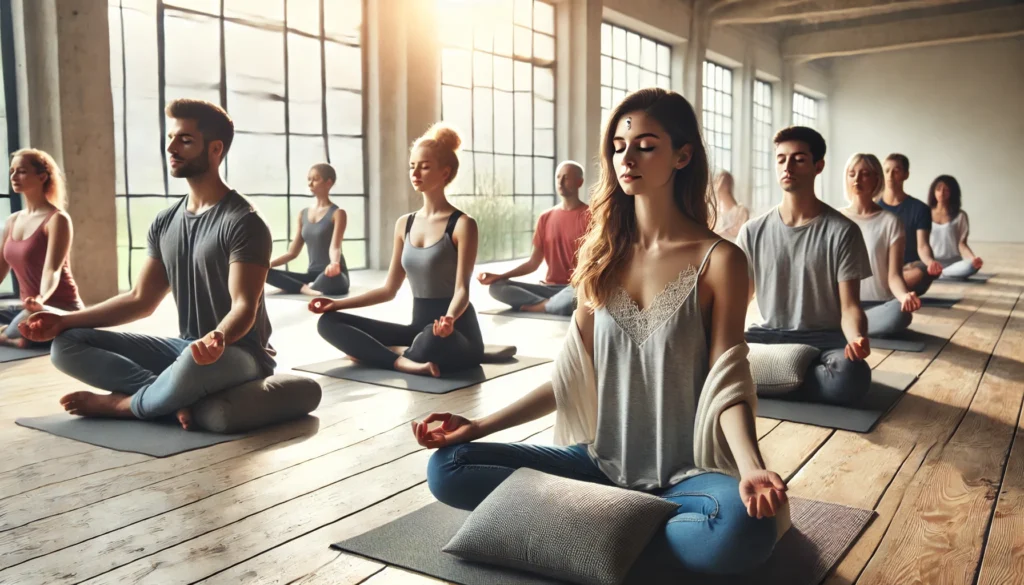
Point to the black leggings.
(291, 282)
(368, 340)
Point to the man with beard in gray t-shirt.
(806, 262)
(211, 250)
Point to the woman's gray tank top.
(432, 269)
(651, 365)
(318, 236)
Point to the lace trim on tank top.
(639, 323)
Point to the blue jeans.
(158, 372)
(710, 532)
(561, 298)
(960, 270)
(887, 318)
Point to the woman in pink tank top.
(36, 243)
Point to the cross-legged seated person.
(650, 244)
(806, 264)
(555, 241)
(321, 227)
(436, 248)
(36, 244)
(920, 268)
(950, 228)
(211, 250)
(887, 302)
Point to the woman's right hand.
(41, 327)
(321, 305)
(333, 269)
(910, 302)
(487, 278)
(454, 429)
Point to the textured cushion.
(562, 528)
(779, 368)
(257, 403)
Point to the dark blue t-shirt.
(915, 215)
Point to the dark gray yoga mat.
(979, 278)
(940, 301)
(896, 344)
(13, 354)
(526, 315)
(820, 536)
(886, 389)
(345, 369)
(156, 438)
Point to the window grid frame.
(762, 136)
(9, 288)
(805, 110)
(282, 27)
(516, 193)
(615, 92)
(715, 119)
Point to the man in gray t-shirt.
(806, 262)
(211, 250)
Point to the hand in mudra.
(444, 326)
(763, 493)
(977, 263)
(209, 348)
(41, 327)
(487, 278)
(32, 305)
(321, 305)
(333, 269)
(454, 429)
(910, 302)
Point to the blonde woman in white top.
(887, 301)
(731, 215)
(950, 228)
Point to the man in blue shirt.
(919, 266)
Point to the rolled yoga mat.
(156, 438)
(12, 354)
(346, 369)
(886, 390)
(820, 536)
(526, 315)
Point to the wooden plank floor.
(944, 469)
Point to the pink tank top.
(27, 258)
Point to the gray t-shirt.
(196, 251)
(797, 270)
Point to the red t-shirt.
(557, 237)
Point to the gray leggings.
(831, 378)
(960, 270)
(561, 298)
(886, 319)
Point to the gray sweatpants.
(960, 270)
(887, 318)
(561, 298)
(831, 378)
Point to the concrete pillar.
(696, 50)
(578, 90)
(784, 117)
(744, 175)
(62, 56)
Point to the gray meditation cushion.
(779, 368)
(567, 529)
(258, 403)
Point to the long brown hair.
(54, 188)
(612, 232)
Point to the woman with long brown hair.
(660, 331)
(36, 243)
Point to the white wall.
(956, 109)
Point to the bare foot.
(4, 340)
(21, 343)
(404, 364)
(90, 404)
(538, 308)
(309, 292)
(184, 416)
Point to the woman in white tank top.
(662, 298)
(887, 301)
(950, 228)
(731, 215)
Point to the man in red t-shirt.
(556, 242)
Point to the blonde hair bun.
(445, 136)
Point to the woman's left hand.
(763, 493)
(444, 326)
(977, 262)
(333, 269)
(32, 305)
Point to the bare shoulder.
(727, 265)
(340, 213)
(465, 224)
(60, 220)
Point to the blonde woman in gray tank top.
(662, 297)
(321, 228)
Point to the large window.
(718, 114)
(498, 91)
(290, 74)
(763, 161)
(805, 110)
(629, 62)
(9, 201)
